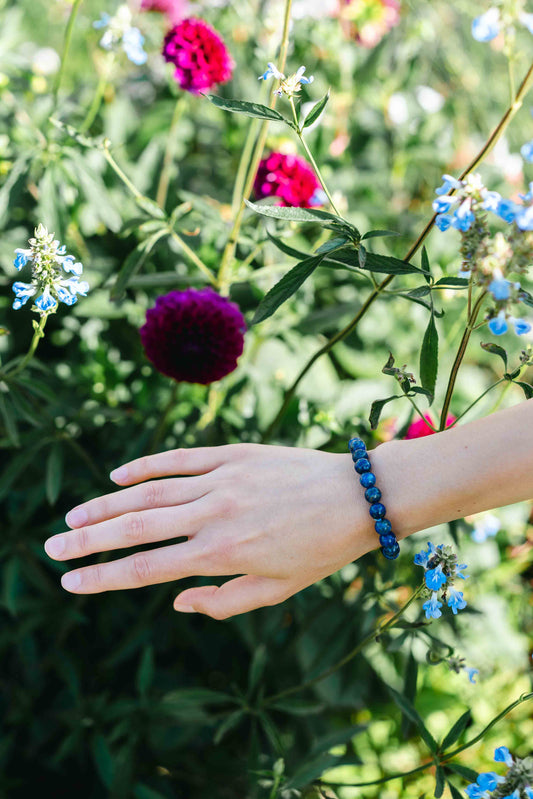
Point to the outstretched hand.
(280, 517)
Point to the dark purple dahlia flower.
(194, 336)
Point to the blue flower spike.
(440, 572)
(503, 755)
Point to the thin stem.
(375, 633)
(242, 170)
(494, 137)
(419, 412)
(37, 336)
(98, 95)
(229, 251)
(66, 45)
(459, 357)
(164, 180)
(162, 424)
(122, 175)
(194, 258)
(310, 156)
(501, 380)
(76, 446)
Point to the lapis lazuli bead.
(391, 552)
(356, 443)
(387, 540)
(383, 526)
(373, 494)
(362, 465)
(378, 510)
(368, 479)
(358, 453)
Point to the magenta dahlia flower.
(290, 178)
(199, 55)
(194, 336)
(174, 10)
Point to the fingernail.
(184, 608)
(119, 474)
(71, 581)
(55, 546)
(76, 517)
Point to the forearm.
(470, 468)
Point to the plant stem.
(375, 633)
(494, 137)
(66, 45)
(502, 380)
(163, 419)
(229, 251)
(310, 156)
(194, 258)
(242, 170)
(37, 336)
(164, 180)
(459, 357)
(122, 175)
(98, 95)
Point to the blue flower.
(23, 292)
(488, 780)
(487, 26)
(475, 792)
(514, 795)
(21, 259)
(443, 222)
(507, 210)
(529, 792)
(46, 302)
(119, 32)
(271, 72)
(502, 755)
(498, 325)
(492, 201)
(520, 326)
(421, 558)
(463, 217)
(432, 606)
(456, 601)
(526, 151)
(485, 527)
(471, 674)
(500, 289)
(435, 578)
(443, 204)
(132, 44)
(529, 196)
(299, 77)
(449, 183)
(459, 567)
(524, 218)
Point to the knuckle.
(141, 569)
(134, 528)
(82, 542)
(178, 456)
(152, 494)
(95, 574)
(226, 506)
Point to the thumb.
(236, 596)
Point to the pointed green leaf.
(316, 111)
(257, 666)
(286, 248)
(298, 707)
(382, 264)
(463, 771)
(456, 730)
(376, 408)
(291, 214)
(409, 688)
(229, 723)
(453, 282)
(379, 234)
(526, 388)
(255, 110)
(54, 473)
(409, 710)
(134, 262)
(104, 760)
(429, 357)
(10, 422)
(361, 253)
(285, 288)
(419, 291)
(332, 244)
(426, 268)
(439, 782)
(495, 349)
(145, 672)
(456, 794)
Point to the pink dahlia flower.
(174, 10)
(419, 429)
(369, 20)
(199, 55)
(290, 178)
(194, 336)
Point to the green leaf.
(17, 465)
(145, 672)
(526, 297)
(255, 110)
(376, 408)
(463, 771)
(495, 349)
(257, 667)
(104, 760)
(429, 357)
(327, 742)
(456, 794)
(426, 268)
(134, 262)
(361, 255)
(378, 234)
(298, 707)
(409, 710)
(54, 473)
(409, 688)
(285, 288)
(316, 111)
(526, 388)
(291, 214)
(382, 264)
(228, 724)
(419, 291)
(10, 421)
(197, 696)
(453, 282)
(456, 730)
(286, 248)
(439, 782)
(333, 244)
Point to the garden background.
(115, 694)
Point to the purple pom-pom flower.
(194, 336)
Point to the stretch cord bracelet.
(389, 545)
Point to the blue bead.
(391, 552)
(378, 510)
(373, 494)
(356, 443)
(383, 527)
(387, 540)
(367, 479)
(362, 465)
(358, 453)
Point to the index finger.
(197, 460)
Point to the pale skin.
(282, 518)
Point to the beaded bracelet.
(389, 545)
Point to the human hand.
(280, 517)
